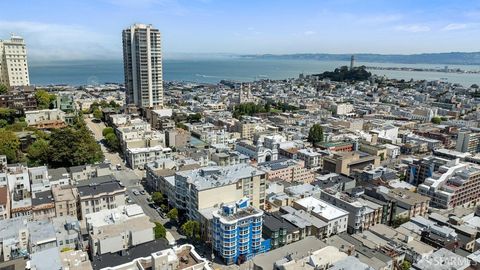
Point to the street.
(130, 178)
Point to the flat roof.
(215, 176)
(321, 208)
(139, 251)
(297, 250)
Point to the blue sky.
(91, 29)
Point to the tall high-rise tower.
(142, 61)
(13, 62)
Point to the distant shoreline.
(450, 58)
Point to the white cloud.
(454, 26)
(61, 42)
(413, 28)
(309, 33)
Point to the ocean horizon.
(94, 72)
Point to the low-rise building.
(287, 170)
(137, 158)
(117, 229)
(46, 119)
(181, 257)
(43, 205)
(4, 203)
(100, 193)
(362, 213)
(336, 218)
(66, 201)
(14, 237)
(347, 162)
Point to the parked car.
(142, 192)
(135, 192)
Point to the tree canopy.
(159, 231)
(191, 229)
(44, 99)
(73, 147)
(97, 113)
(315, 135)
(173, 214)
(436, 120)
(112, 141)
(107, 130)
(344, 74)
(157, 197)
(249, 108)
(3, 89)
(9, 146)
(38, 152)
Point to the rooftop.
(214, 176)
(296, 250)
(114, 259)
(321, 208)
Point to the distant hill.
(451, 58)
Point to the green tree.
(7, 115)
(9, 145)
(191, 229)
(343, 74)
(3, 123)
(97, 114)
(113, 104)
(112, 141)
(37, 152)
(436, 120)
(157, 197)
(3, 89)
(406, 265)
(159, 230)
(173, 214)
(196, 117)
(44, 99)
(315, 134)
(107, 130)
(73, 147)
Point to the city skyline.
(68, 30)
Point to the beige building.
(100, 193)
(287, 170)
(65, 201)
(4, 203)
(211, 186)
(246, 129)
(117, 229)
(347, 162)
(13, 62)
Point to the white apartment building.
(13, 62)
(114, 230)
(343, 108)
(137, 158)
(336, 218)
(142, 59)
